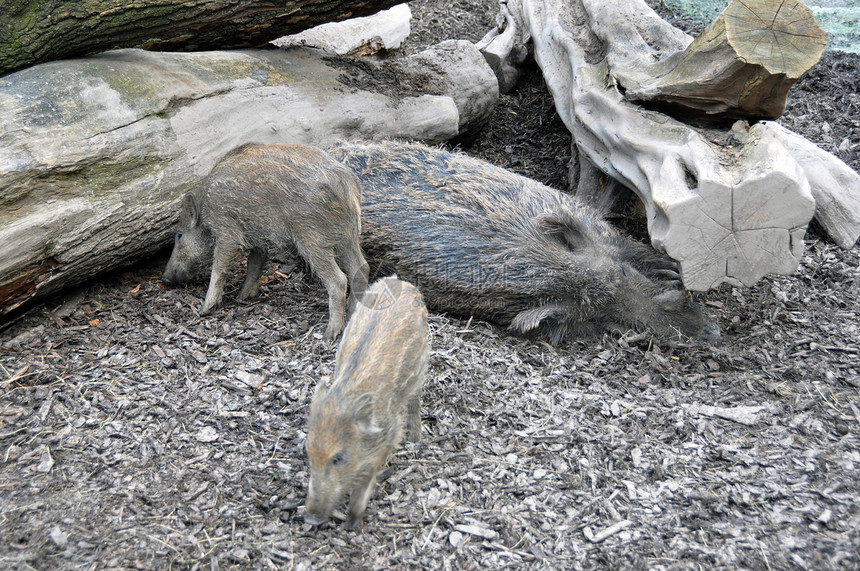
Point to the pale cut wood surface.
(742, 65)
(783, 36)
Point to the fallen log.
(96, 153)
(365, 36)
(41, 30)
(729, 204)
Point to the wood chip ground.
(136, 435)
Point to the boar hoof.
(245, 296)
(332, 331)
(351, 524)
(314, 520)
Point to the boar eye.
(178, 236)
(338, 458)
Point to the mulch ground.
(136, 434)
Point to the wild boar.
(357, 423)
(266, 200)
(479, 240)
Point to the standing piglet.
(357, 423)
(263, 200)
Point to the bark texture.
(34, 31)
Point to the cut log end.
(741, 66)
(738, 233)
(782, 37)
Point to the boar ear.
(190, 212)
(563, 228)
(551, 318)
(362, 415)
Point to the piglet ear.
(190, 212)
(319, 394)
(362, 415)
(563, 228)
(551, 318)
(321, 388)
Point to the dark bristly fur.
(357, 423)
(479, 240)
(263, 200)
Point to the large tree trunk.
(33, 31)
(96, 153)
(729, 204)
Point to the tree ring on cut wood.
(783, 37)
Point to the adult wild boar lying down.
(479, 240)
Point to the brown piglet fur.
(357, 423)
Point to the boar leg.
(413, 419)
(357, 270)
(359, 498)
(221, 260)
(334, 280)
(254, 270)
(649, 263)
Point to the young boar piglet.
(357, 423)
(266, 200)
(480, 240)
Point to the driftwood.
(835, 187)
(504, 48)
(40, 30)
(96, 153)
(729, 204)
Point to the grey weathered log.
(504, 50)
(95, 153)
(366, 36)
(730, 205)
(34, 31)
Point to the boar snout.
(709, 335)
(174, 277)
(319, 506)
